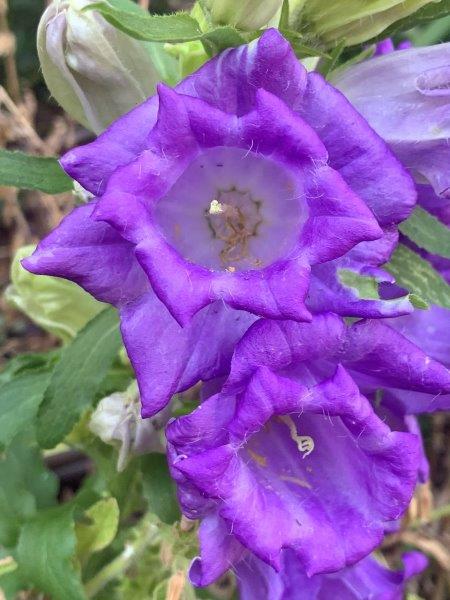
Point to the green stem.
(146, 536)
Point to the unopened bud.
(96, 72)
(117, 421)
(243, 14)
(57, 305)
(352, 20)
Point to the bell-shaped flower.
(234, 195)
(291, 455)
(405, 97)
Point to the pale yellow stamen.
(305, 443)
(215, 208)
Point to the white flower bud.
(117, 421)
(244, 14)
(96, 72)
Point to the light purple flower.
(366, 580)
(405, 97)
(291, 455)
(215, 203)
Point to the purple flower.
(429, 329)
(229, 197)
(405, 97)
(365, 580)
(291, 455)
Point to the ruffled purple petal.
(168, 358)
(91, 254)
(270, 440)
(389, 359)
(93, 164)
(430, 330)
(355, 150)
(228, 82)
(219, 549)
(366, 579)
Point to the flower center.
(232, 210)
(234, 217)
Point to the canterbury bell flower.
(291, 454)
(405, 97)
(229, 197)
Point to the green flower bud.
(243, 14)
(190, 55)
(58, 306)
(353, 20)
(96, 72)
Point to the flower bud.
(353, 20)
(244, 14)
(117, 421)
(96, 72)
(57, 305)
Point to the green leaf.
(427, 232)
(221, 38)
(19, 402)
(284, 16)
(32, 361)
(33, 172)
(367, 287)
(26, 486)
(100, 530)
(328, 64)
(76, 378)
(175, 28)
(57, 305)
(302, 50)
(45, 552)
(179, 27)
(159, 488)
(418, 276)
(432, 11)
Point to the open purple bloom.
(216, 201)
(366, 580)
(405, 96)
(291, 455)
